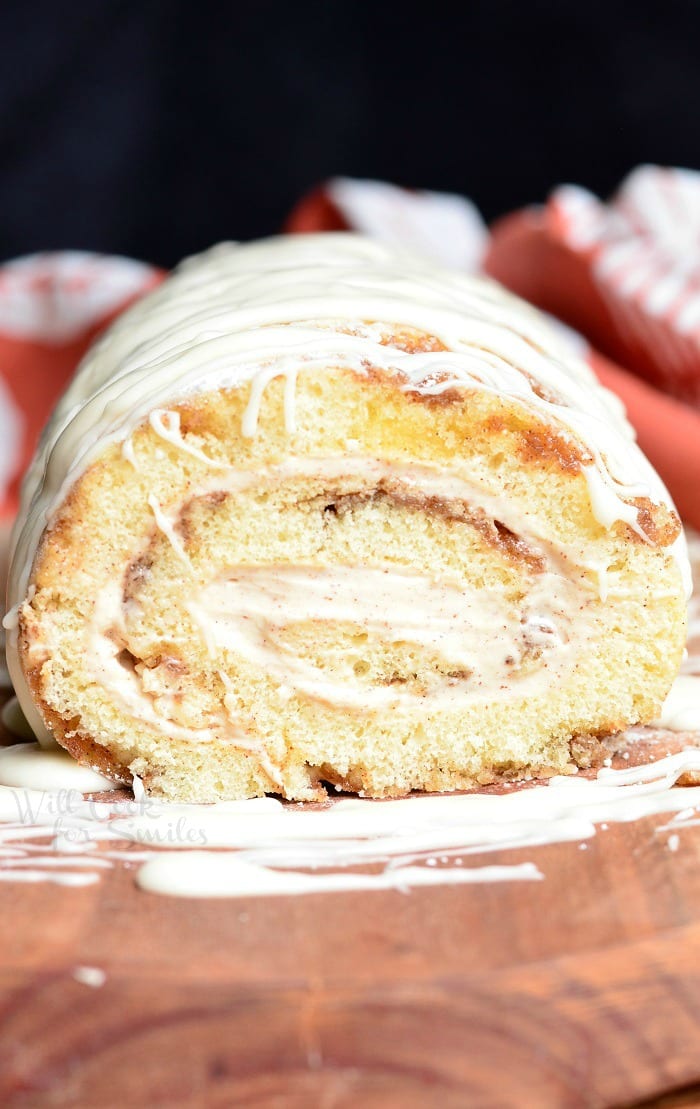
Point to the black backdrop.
(154, 128)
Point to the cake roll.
(317, 514)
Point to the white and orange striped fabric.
(51, 308)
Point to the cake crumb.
(673, 842)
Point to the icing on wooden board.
(264, 847)
(50, 831)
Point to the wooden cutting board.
(579, 990)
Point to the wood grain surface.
(581, 990)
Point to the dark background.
(153, 129)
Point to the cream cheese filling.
(486, 645)
(249, 611)
(475, 632)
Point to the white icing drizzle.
(167, 526)
(29, 765)
(205, 874)
(681, 709)
(128, 452)
(264, 847)
(167, 425)
(247, 314)
(90, 976)
(67, 878)
(691, 663)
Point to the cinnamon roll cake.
(314, 512)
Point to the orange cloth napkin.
(626, 273)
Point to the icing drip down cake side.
(314, 512)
